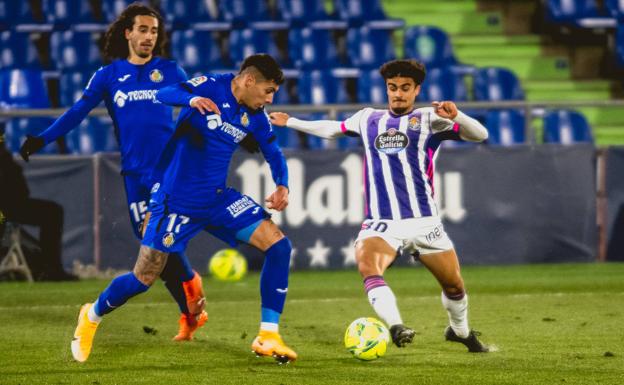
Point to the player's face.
(259, 93)
(143, 35)
(402, 94)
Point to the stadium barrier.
(499, 205)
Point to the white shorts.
(425, 235)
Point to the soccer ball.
(367, 338)
(228, 265)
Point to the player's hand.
(279, 199)
(31, 145)
(204, 105)
(447, 110)
(279, 118)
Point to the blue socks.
(274, 280)
(120, 290)
(177, 270)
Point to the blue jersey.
(142, 124)
(193, 168)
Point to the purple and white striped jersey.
(400, 152)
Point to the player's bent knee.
(282, 249)
(149, 265)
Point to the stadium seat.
(16, 130)
(69, 13)
(566, 127)
(371, 87)
(367, 47)
(583, 13)
(321, 87)
(243, 12)
(71, 86)
(301, 12)
(248, 41)
(357, 12)
(113, 8)
(94, 134)
(75, 50)
(311, 48)
(494, 84)
(13, 13)
(442, 84)
(616, 9)
(23, 88)
(196, 50)
(505, 127)
(287, 137)
(17, 50)
(429, 45)
(181, 13)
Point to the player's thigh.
(373, 256)
(137, 196)
(266, 235)
(445, 268)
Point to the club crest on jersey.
(413, 123)
(156, 76)
(245, 119)
(391, 141)
(168, 239)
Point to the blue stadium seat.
(15, 12)
(442, 84)
(16, 130)
(113, 8)
(71, 85)
(356, 11)
(616, 9)
(94, 134)
(494, 84)
(311, 48)
(566, 127)
(66, 13)
(196, 50)
(429, 45)
(248, 41)
(184, 12)
(371, 87)
(367, 47)
(301, 12)
(75, 50)
(321, 87)
(582, 13)
(287, 137)
(506, 127)
(17, 50)
(242, 12)
(23, 88)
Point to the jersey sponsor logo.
(240, 206)
(156, 76)
(214, 121)
(198, 80)
(391, 141)
(168, 239)
(120, 98)
(124, 78)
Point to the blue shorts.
(172, 224)
(137, 195)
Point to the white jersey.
(400, 154)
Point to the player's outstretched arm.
(328, 129)
(182, 95)
(471, 130)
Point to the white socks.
(458, 314)
(382, 299)
(91, 314)
(269, 326)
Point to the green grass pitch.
(552, 324)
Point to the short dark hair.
(115, 42)
(408, 68)
(266, 65)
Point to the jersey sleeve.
(351, 125)
(180, 94)
(267, 141)
(182, 77)
(91, 97)
(446, 128)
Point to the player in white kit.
(400, 149)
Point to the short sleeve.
(96, 87)
(352, 123)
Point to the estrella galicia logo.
(213, 121)
(391, 142)
(168, 239)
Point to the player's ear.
(250, 80)
(127, 33)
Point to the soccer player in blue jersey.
(192, 195)
(128, 86)
(400, 145)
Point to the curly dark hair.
(408, 68)
(115, 42)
